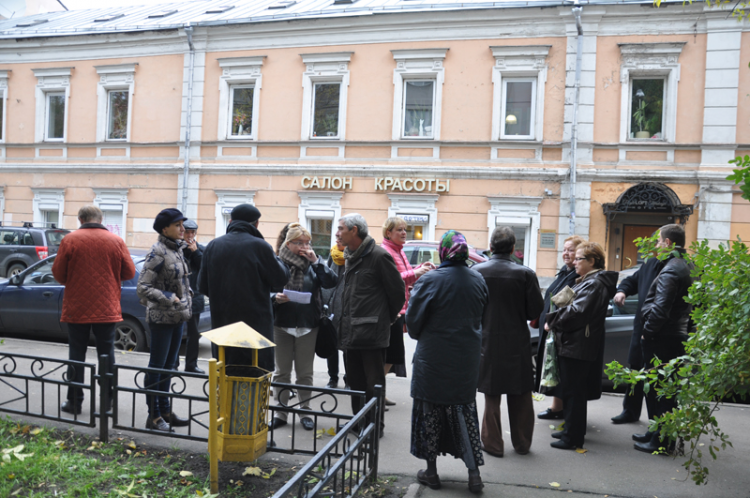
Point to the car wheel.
(15, 269)
(129, 336)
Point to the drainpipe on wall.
(186, 170)
(574, 125)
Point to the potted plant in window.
(639, 116)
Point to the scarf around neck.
(297, 268)
(337, 255)
(352, 257)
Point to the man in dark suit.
(193, 255)
(637, 283)
(505, 367)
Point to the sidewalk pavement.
(610, 466)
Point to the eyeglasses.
(299, 244)
(580, 259)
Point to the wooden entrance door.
(629, 250)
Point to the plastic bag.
(550, 370)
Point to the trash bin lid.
(238, 335)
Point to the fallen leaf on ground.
(252, 471)
(185, 473)
(581, 450)
(560, 427)
(331, 431)
(36, 431)
(555, 484)
(131, 445)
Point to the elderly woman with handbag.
(296, 323)
(579, 335)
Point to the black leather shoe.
(643, 438)
(648, 447)
(176, 420)
(548, 414)
(562, 445)
(69, 407)
(431, 481)
(276, 423)
(195, 369)
(557, 435)
(475, 483)
(307, 423)
(333, 383)
(158, 424)
(624, 418)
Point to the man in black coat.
(637, 283)
(666, 317)
(505, 367)
(193, 255)
(239, 273)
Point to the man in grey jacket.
(370, 299)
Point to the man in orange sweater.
(91, 263)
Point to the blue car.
(31, 305)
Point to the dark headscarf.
(453, 247)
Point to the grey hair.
(503, 240)
(356, 220)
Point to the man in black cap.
(193, 255)
(239, 272)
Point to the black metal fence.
(344, 447)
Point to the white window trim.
(532, 128)
(4, 74)
(113, 77)
(416, 204)
(517, 211)
(418, 64)
(113, 197)
(525, 61)
(646, 60)
(227, 199)
(331, 67)
(44, 197)
(317, 206)
(51, 80)
(242, 72)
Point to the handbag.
(326, 342)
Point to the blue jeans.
(165, 348)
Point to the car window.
(631, 304)
(54, 237)
(9, 237)
(428, 254)
(28, 240)
(41, 275)
(409, 251)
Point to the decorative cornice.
(327, 57)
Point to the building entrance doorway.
(630, 256)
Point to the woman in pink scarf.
(394, 238)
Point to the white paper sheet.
(298, 297)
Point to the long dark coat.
(515, 297)
(445, 317)
(238, 274)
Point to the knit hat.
(166, 217)
(190, 225)
(245, 212)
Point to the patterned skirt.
(446, 429)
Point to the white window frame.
(532, 127)
(4, 74)
(240, 72)
(331, 67)
(50, 80)
(650, 60)
(115, 200)
(319, 205)
(419, 204)
(517, 211)
(115, 77)
(227, 200)
(48, 200)
(519, 62)
(418, 64)
(403, 108)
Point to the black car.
(21, 247)
(31, 306)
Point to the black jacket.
(665, 312)
(287, 315)
(371, 298)
(639, 283)
(445, 317)
(238, 274)
(515, 298)
(194, 259)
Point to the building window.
(419, 212)
(522, 215)
(646, 108)
(115, 96)
(419, 102)
(319, 211)
(325, 85)
(226, 201)
(649, 77)
(519, 76)
(416, 225)
(55, 116)
(326, 110)
(239, 97)
(48, 206)
(418, 93)
(242, 111)
(322, 233)
(519, 99)
(114, 206)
